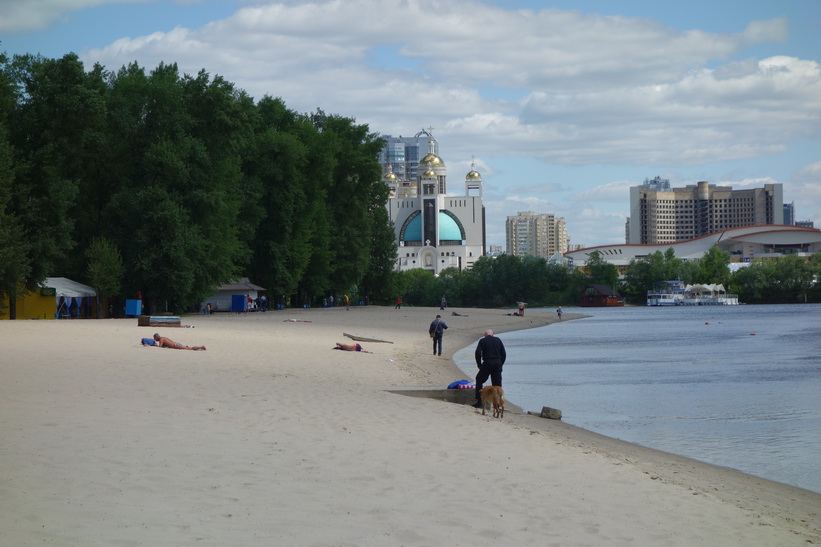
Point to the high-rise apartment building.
(401, 155)
(539, 235)
(660, 214)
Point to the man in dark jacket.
(437, 331)
(490, 356)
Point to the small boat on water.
(675, 293)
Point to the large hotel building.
(660, 214)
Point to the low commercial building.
(744, 244)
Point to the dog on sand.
(493, 395)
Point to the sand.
(270, 437)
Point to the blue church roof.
(448, 229)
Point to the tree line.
(172, 184)
(507, 279)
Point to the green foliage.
(14, 250)
(713, 266)
(642, 273)
(601, 272)
(378, 280)
(419, 287)
(45, 122)
(105, 269)
(192, 181)
(789, 279)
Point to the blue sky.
(562, 105)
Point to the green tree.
(420, 287)
(180, 141)
(643, 273)
(601, 272)
(378, 279)
(105, 270)
(713, 267)
(793, 279)
(354, 192)
(45, 103)
(292, 231)
(14, 252)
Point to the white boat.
(675, 293)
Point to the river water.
(736, 386)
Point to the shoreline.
(269, 436)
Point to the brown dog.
(493, 395)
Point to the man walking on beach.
(437, 331)
(490, 356)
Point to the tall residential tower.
(539, 235)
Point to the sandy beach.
(270, 437)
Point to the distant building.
(529, 233)
(494, 250)
(745, 244)
(401, 155)
(434, 229)
(789, 214)
(660, 214)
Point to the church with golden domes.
(435, 229)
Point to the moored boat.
(675, 293)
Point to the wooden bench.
(158, 321)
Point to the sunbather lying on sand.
(351, 347)
(164, 342)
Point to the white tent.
(70, 295)
(705, 289)
(64, 286)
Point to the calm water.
(736, 386)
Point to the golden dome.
(389, 177)
(473, 175)
(431, 160)
(429, 174)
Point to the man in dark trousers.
(436, 331)
(490, 356)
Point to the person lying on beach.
(351, 347)
(164, 342)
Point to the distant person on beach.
(398, 303)
(164, 342)
(351, 347)
(443, 303)
(522, 308)
(490, 357)
(559, 312)
(437, 332)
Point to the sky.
(561, 105)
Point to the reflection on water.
(737, 386)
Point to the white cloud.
(28, 15)
(810, 173)
(563, 87)
(600, 89)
